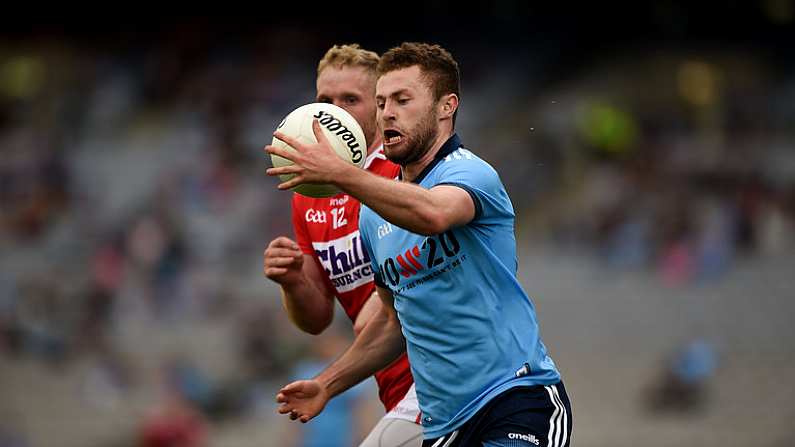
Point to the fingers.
(273, 272)
(280, 262)
(282, 256)
(294, 169)
(282, 152)
(294, 414)
(292, 388)
(283, 241)
(275, 267)
(285, 396)
(284, 170)
(293, 182)
(295, 144)
(282, 249)
(279, 252)
(298, 400)
(286, 409)
(319, 135)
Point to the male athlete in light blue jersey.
(468, 324)
(442, 244)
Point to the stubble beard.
(419, 142)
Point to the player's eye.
(380, 105)
(403, 101)
(324, 99)
(351, 100)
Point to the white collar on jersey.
(377, 153)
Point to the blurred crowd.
(133, 193)
(674, 163)
(133, 198)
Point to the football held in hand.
(339, 127)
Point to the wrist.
(325, 384)
(345, 176)
(292, 282)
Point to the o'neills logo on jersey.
(334, 125)
(532, 439)
(339, 201)
(345, 261)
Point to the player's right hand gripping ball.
(341, 130)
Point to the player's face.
(407, 115)
(353, 89)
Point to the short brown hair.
(437, 65)
(350, 55)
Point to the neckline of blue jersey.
(447, 148)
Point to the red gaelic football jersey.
(328, 229)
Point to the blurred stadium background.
(649, 151)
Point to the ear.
(448, 104)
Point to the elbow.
(314, 329)
(313, 326)
(432, 223)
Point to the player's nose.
(389, 112)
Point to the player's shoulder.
(463, 160)
(463, 156)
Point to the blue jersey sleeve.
(480, 180)
(365, 238)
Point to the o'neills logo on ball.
(334, 125)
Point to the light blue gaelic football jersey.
(471, 331)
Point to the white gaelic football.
(342, 131)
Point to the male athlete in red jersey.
(328, 261)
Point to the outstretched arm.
(419, 210)
(379, 344)
(370, 309)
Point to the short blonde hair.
(351, 55)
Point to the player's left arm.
(379, 344)
(417, 209)
(369, 309)
(410, 206)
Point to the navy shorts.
(520, 417)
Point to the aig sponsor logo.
(315, 216)
(345, 261)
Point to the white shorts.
(407, 409)
(400, 427)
